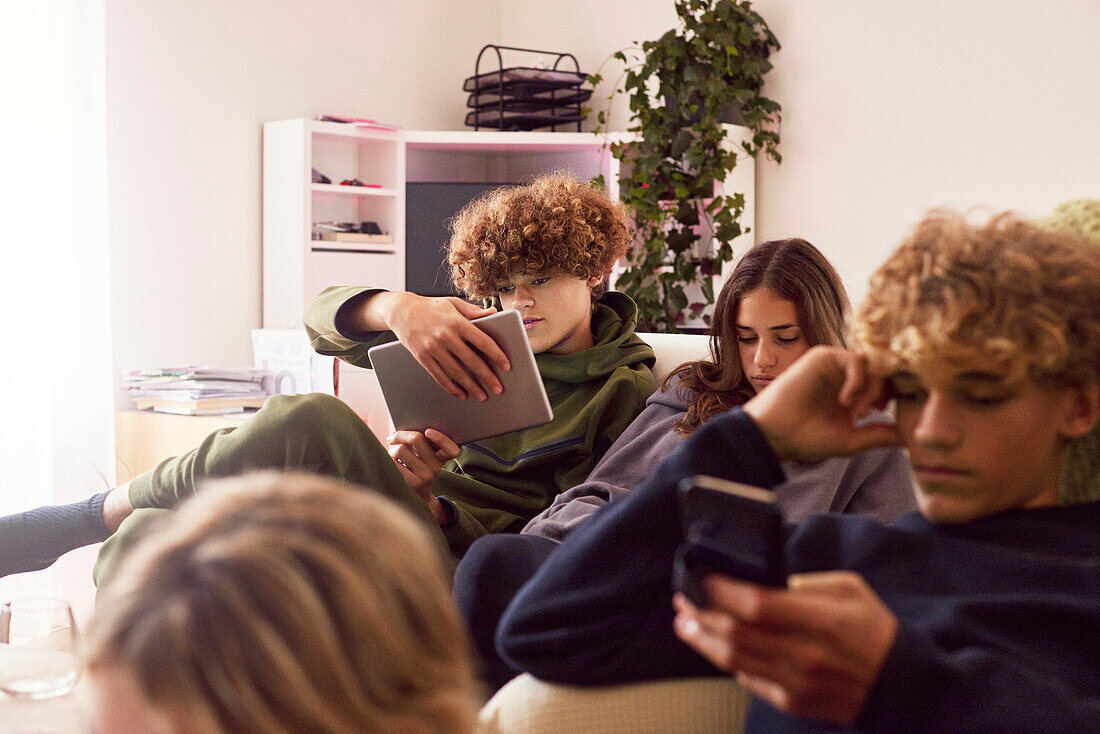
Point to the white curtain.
(56, 423)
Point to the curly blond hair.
(284, 603)
(1081, 467)
(1077, 215)
(556, 225)
(1023, 295)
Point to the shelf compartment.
(339, 190)
(378, 269)
(362, 248)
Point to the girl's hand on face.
(810, 411)
(814, 649)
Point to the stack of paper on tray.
(198, 390)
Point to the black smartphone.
(729, 528)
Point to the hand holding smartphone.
(729, 528)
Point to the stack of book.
(197, 390)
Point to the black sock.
(34, 539)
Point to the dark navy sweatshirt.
(999, 618)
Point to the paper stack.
(197, 390)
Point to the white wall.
(189, 86)
(56, 441)
(892, 108)
(591, 31)
(889, 109)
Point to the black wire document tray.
(521, 120)
(522, 77)
(529, 102)
(525, 96)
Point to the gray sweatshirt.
(877, 482)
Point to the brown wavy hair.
(289, 603)
(556, 225)
(797, 272)
(1011, 291)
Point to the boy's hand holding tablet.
(417, 403)
(421, 456)
(440, 334)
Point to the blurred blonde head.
(1025, 297)
(288, 603)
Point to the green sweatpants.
(314, 433)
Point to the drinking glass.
(38, 648)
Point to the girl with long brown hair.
(792, 270)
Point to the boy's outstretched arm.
(438, 332)
(599, 611)
(344, 322)
(815, 649)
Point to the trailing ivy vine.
(680, 87)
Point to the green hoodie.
(498, 484)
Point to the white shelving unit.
(296, 267)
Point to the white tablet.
(416, 401)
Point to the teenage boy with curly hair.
(976, 614)
(544, 250)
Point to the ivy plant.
(679, 88)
